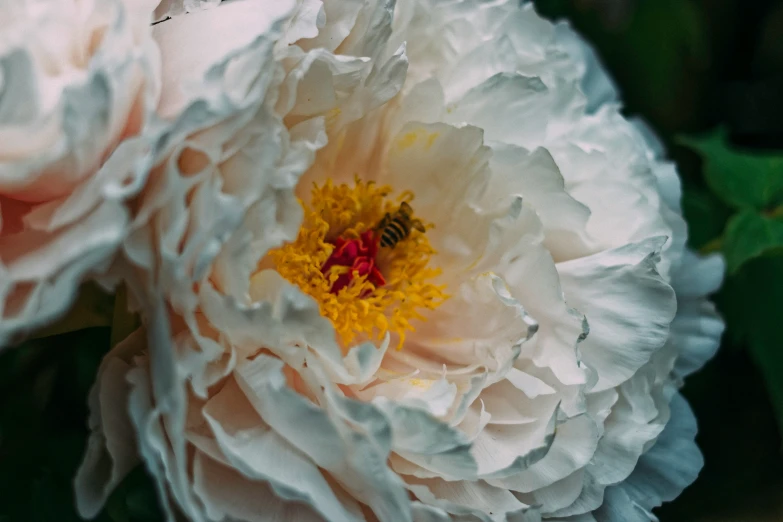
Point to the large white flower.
(221, 188)
(479, 308)
(78, 84)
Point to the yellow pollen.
(360, 310)
(410, 138)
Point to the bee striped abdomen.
(394, 232)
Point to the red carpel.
(358, 254)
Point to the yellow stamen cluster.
(360, 310)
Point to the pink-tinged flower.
(78, 84)
(473, 302)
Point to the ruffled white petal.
(628, 306)
(476, 499)
(663, 472)
(227, 494)
(262, 381)
(595, 82)
(78, 88)
(540, 389)
(110, 453)
(167, 8)
(253, 448)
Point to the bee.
(395, 227)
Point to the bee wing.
(418, 225)
(405, 209)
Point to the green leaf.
(706, 216)
(750, 235)
(741, 179)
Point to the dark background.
(686, 66)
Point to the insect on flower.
(395, 227)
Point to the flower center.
(358, 255)
(364, 258)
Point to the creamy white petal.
(308, 17)
(190, 58)
(362, 470)
(415, 430)
(227, 495)
(168, 8)
(507, 404)
(433, 395)
(574, 443)
(319, 82)
(464, 42)
(599, 88)
(489, 338)
(697, 331)
(425, 513)
(478, 499)
(628, 305)
(41, 271)
(519, 110)
(255, 450)
(159, 458)
(637, 418)
(227, 114)
(697, 328)
(447, 165)
(557, 495)
(339, 19)
(79, 82)
(663, 472)
(590, 498)
(537, 178)
(503, 450)
(111, 453)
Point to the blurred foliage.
(752, 183)
(708, 75)
(43, 430)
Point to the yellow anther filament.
(360, 310)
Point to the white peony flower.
(226, 151)
(78, 84)
(480, 308)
